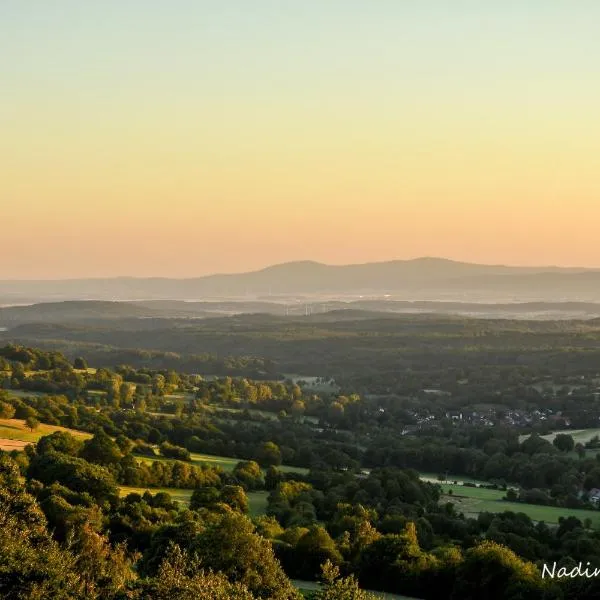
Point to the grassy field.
(14, 430)
(226, 463)
(24, 394)
(473, 501)
(257, 501)
(89, 370)
(580, 436)
(307, 587)
(433, 478)
(470, 492)
(272, 416)
(182, 496)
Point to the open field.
(433, 478)
(257, 501)
(251, 411)
(187, 396)
(580, 436)
(471, 492)
(307, 587)
(260, 413)
(89, 370)
(314, 383)
(24, 394)
(226, 463)
(10, 445)
(179, 495)
(473, 501)
(15, 430)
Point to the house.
(594, 495)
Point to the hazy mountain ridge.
(405, 277)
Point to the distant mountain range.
(417, 279)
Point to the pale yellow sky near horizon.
(233, 145)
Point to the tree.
(32, 565)
(59, 441)
(232, 547)
(564, 442)
(492, 571)
(32, 423)
(140, 404)
(105, 571)
(7, 411)
(75, 473)
(268, 527)
(124, 443)
(80, 363)
(177, 452)
(249, 475)
(315, 548)
(204, 497)
(269, 454)
(180, 577)
(235, 497)
(273, 478)
(101, 450)
(298, 408)
(126, 391)
(158, 385)
(336, 588)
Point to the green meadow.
(257, 501)
(473, 501)
(16, 430)
(224, 462)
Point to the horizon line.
(297, 262)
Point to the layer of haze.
(187, 137)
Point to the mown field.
(257, 501)
(470, 492)
(580, 436)
(254, 412)
(25, 394)
(473, 501)
(433, 478)
(226, 463)
(14, 434)
(308, 587)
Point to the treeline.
(390, 531)
(54, 544)
(384, 354)
(126, 408)
(108, 356)
(81, 540)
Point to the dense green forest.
(343, 468)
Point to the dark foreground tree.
(32, 565)
(180, 577)
(336, 588)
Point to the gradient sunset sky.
(189, 137)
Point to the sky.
(181, 138)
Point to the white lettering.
(578, 571)
(546, 570)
